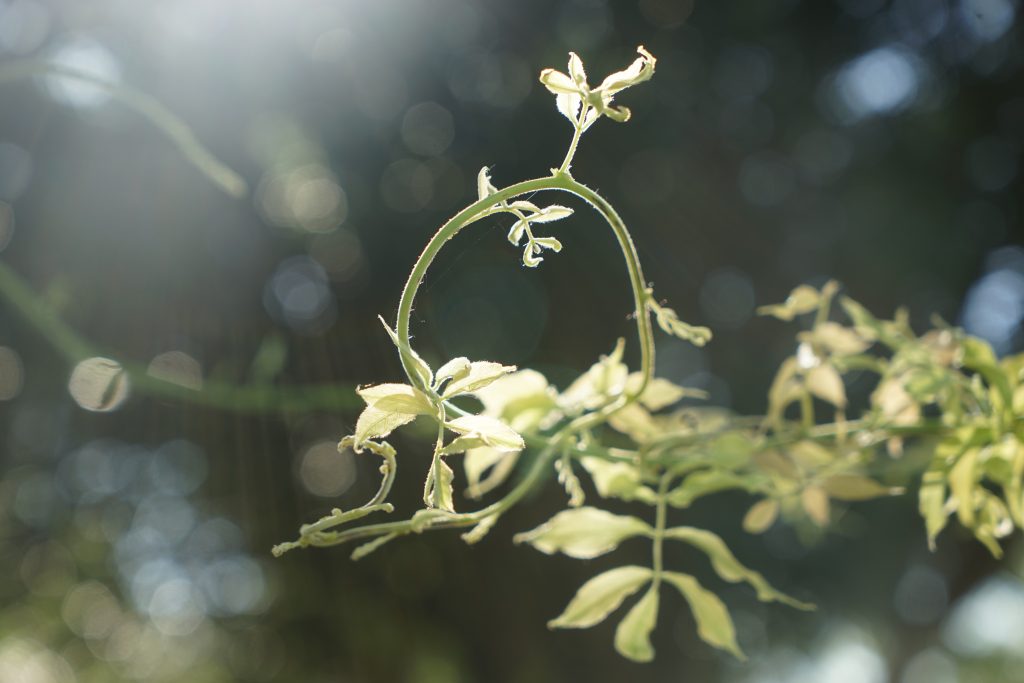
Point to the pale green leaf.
(659, 392)
(437, 493)
(524, 206)
(932, 501)
(484, 188)
(476, 534)
(600, 596)
(569, 105)
(530, 258)
(461, 444)
(516, 232)
(551, 243)
(634, 421)
(785, 388)
(584, 532)
(491, 431)
(714, 625)
(837, 339)
(963, 482)
(374, 423)
(639, 71)
(486, 469)
(857, 487)
(456, 368)
(825, 382)
(557, 82)
(668, 320)
(576, 71)
(396, 398)
(815, 502)
(761, 516)
(605, 380)
(554, 212)
(633, 634)
(617, 480)
(478, 376)
(803, 299)
(728, 567)
(810, 454)
(706, 482)
(420, 368)
(732, 450)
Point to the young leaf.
(824, 382)
(963, 481)
(761, 516)
(617, 480)
(856, 487)
(420, 368)
(484, 187)
(437, 493)
(551, 213)
(669, 321)
(516, 232)
(522, 399)
(548, 243)
(815, 504)
(600, 596)
(728, 567)
(803, 299)
(478, 376)
(659, 392)
(633, 635)
(931, 501)
(706, 482)
(839, 340)
(397, 398)
(489, 430)
(374, 423)
(584, 532)
(714, 625)
(479, 461)
(456, 368)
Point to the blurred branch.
(244, 399)
(173, 127)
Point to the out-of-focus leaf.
(489, 430)
(825, 382)
(728, 567)
(856, 487)
(803, 299)
(714, 625)
(761, 516)
(617, 480)
(815, 503)
(633, 634)
(706, 482)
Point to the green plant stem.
(567, 162)
(558, 181)
(261, 398)
(658, 540)
(187, 144)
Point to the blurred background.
(877, 142)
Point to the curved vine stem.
(558, 181)
(149, 107)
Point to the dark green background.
(740, 160)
